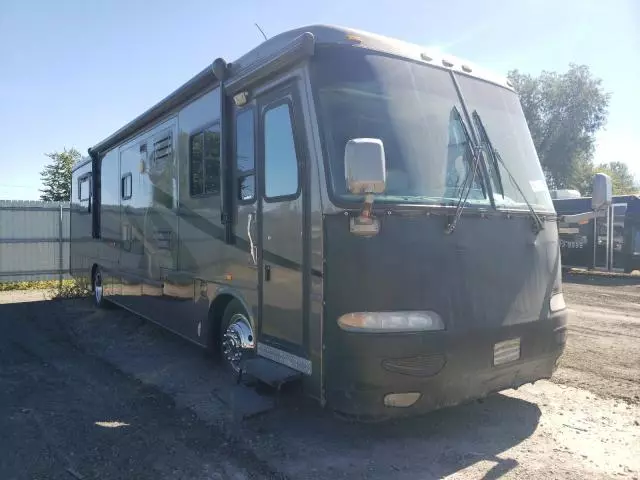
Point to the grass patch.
(34, 285)
(68, 289)
(71, 289)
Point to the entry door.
(281, 229)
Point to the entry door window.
(245, 160)
(281, 178)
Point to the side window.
(280, 159)
(204, 162)
(84, 188)
(126, 186)
(245, 160)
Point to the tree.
(56, 176)
(622, 180)
(564, 112)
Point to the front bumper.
(444, 367)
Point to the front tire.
(237, 339)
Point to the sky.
(74, 71)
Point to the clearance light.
(241, 98)
(401, 400)
(354, 38)
(557, 303)
(384, 322)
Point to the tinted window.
(413, 108)
(498, 110)
(246, 187)
(204, 160)
(280, 160)
(84, 188)
(126, 186)
(245, 160)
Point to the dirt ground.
(603, 352)
(102, 394)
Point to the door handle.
(267, 273)
(251, 244)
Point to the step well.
(268, 372)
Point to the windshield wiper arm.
(537, 221)
(484, 138)
(467, 184)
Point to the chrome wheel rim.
(237, 340)
(98, 288)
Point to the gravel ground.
(103, 394)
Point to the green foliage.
(68, 288)
(56, 176)
(564, 112)
(622, 179)
(33, 285)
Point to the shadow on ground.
(600, 279)
(297, 440)
(431, 446)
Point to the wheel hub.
(237, 340)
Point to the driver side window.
(459, 159)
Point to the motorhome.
(355, 212)
(577, 235)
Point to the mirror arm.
(365, 224)
(365, 214)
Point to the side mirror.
(364, 165)
(601, 191)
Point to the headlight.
(379, 322)
(556, 303)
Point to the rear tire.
(236, 339)
(98, 290)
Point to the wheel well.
(216, 312)
(93, 273)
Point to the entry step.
(269, 372)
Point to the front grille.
(420, 366)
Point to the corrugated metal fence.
(34, 240)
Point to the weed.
(55, 289)
(71, 289)
(34, 285)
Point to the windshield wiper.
(538, 225)
(467, 184)
(484, 138)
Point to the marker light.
(401, 400)
(241, 98)
(556, 303)
(383, 322)
(353, 38)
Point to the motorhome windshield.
(500, 122)
(411, 107)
